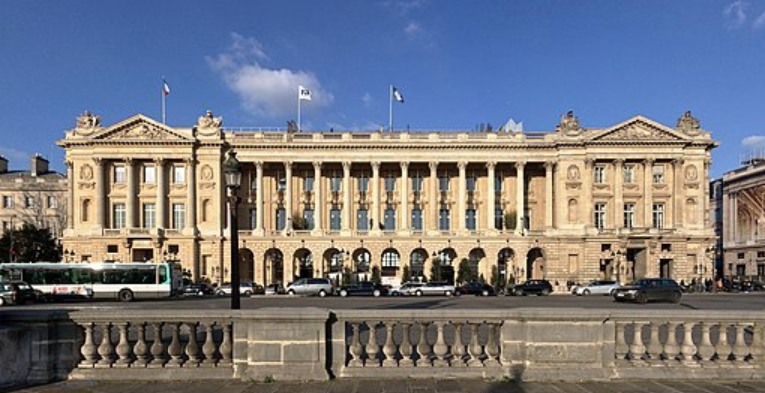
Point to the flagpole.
(390, 108)
(298, 125)
(162, 91)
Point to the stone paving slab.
(396, 386)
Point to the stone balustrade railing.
(314, 343)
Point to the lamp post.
(712, 255)
(232, 170)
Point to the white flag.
(304, 94)
(397, 95)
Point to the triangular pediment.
(641, 129)
(140, 127)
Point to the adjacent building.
(569, 205)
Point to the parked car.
(531, 287)
(311, 287)
(16, 292)
(364, 288)
(405, 289)
(275, 289)
(598, 287)
(434, 288)
(650, 289)
(245, 289)
(198, 289)
(477, 288)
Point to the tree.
(299, 223)
(510, 219)
(376, 277)
(494, 278)
(346, 276)
(463, 271)
(435, 269)
(29, 244)
(406, 274)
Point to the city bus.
(98, 280)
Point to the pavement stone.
(395, 386)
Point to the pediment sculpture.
(209, 121)
(569, 125)
(688, 124)
(87, 123)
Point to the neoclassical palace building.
(574, 204)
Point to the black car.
(531, 287)
(650, 289)
(476, 288)
(198, 289)
(364, 288)
(16, 292)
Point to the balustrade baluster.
(671, 349)
(706, 350)
(192, 347)
(209, 348)
(688, 348)
(226, 346)
(141, 349)
(440, 349)
(475, 349)
(372, 348)
(621, 342)
(740, 349)
(492, 346)
(89, 349)
(406, 348)
(389, 348)
(723, 347)
(637, 349)
(458, 349)
(157, 347)
(423, 348)
(654, 346)
(123, 347)
(106, 349)
(174, 349)
(355, 348)
(758, 344)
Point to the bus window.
(163, 274)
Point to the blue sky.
(457, 63)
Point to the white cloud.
(367, 100)
(265, 91)
(405, 6)
(413, 29)
(759, 22)
(735, 14)
(16, 158)
(753, 141)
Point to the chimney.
(3, 164)
(39, 165)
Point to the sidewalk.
(399, 386)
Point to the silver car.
(311, 287)
(405, 289)
(599, 287)
(434, 288)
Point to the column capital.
(317, 165)
(98, 161)
(649, 161)
(259, 165)
(287, 164)
(619, 161)
(520, 164)
(346, 166)
(462, 165)
(189, 161)
(159, 161)
(491, 164)
(69, 164)
(678, 162)
(404, 165)
(589, 162)
(549, 165)
(129, 161)
(375, 165)
(433, 165)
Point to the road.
(721, 301)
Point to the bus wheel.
(125, 295)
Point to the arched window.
(85, 210)
(390, 263)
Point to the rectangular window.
(417, 219)
(308, 218)
(444, 223)
(7, 201)
(600, 175)
(149, 174)
(179, 174)
(498, 182)
(471, 182)
(363, 182)
(149, 214)
(179, 215)
(29, 202)
(335, 221)
(390, 219)
(281, 219)
(336, 182)
(470, 219)
(629, 215)
(254, 183)
(499, 217)
(52, 202)
(417, 181)
(629, 174)
(120, 174)
(253, 218)
(658, 215)
(390, 183)
(118, 218)
(362, 220)
(600, 215)
(658, 174)
(308, 183)
(281, 181)
(443, 181)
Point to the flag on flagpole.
(397, 95)
(304, 94)
(165, 87)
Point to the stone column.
(259, 205)
(318, 200)
(519, 198)
(100, 193)
(404, 195)
(70, 190)
(433, 200)
(589, 164)
(734, 215)
(462, 201)
(648, 193)
(130, 203)
(347, 198)
(618, 193)
(549, 201)
(160, 203)
(288, 196)
(375, 197)
(491, 195)
(678, 196)
(191, 197)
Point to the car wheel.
(125, 295)
(675, 297)
(291, 292)
(448, 293)
(247, 293)
(2, 301)
(642, 298)
(586, 292)
(612, 292)
(376, 293)
(220, 293)
(200, 293)
(485, 293)
(545, 292)
(418, 293)
(343, 293)
(518, 292)
(322, 293)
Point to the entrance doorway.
(143, 254)
(665, 268)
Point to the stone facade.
(574, 204)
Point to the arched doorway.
(442, 268)
(475, 257)
(333, 263)
(274, 267)
(303, 263)
(535, 264)
(391, 260)
(417, 264)
(246, 265)
(362, 260)
(506, 266)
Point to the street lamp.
(232, 170)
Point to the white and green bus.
(98, 280)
